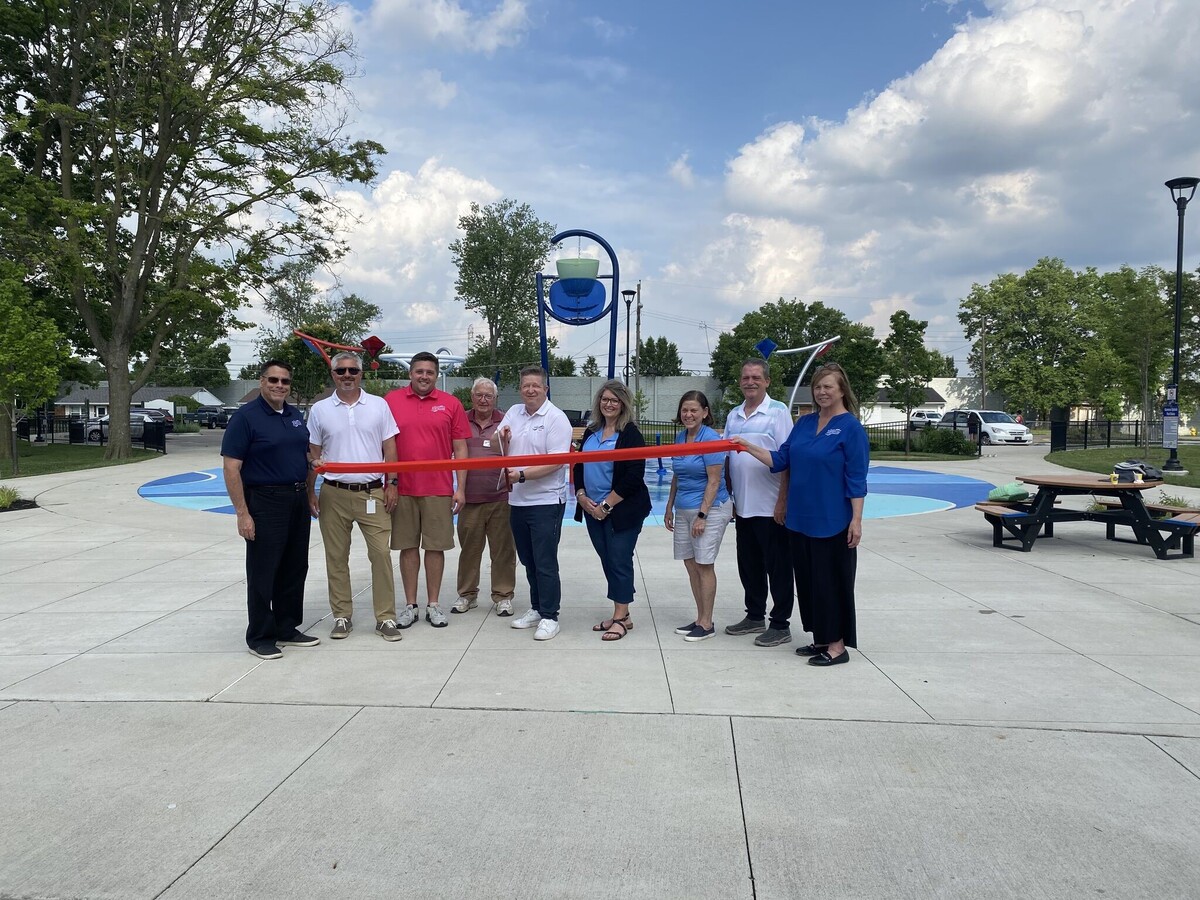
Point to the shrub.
(945, 441)
(8, 496)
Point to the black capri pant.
(825, 570)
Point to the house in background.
(76, 399)
(883, 411)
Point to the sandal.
(608, 623)
(624, 624)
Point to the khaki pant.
(478, 522)
(340, 509)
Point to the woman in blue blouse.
(827, 455)
(614, 498)
(699, 496)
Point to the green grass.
(1102, 460)
(187, 428)
(52, 458)
(917, 456)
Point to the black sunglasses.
(346, 370)
(275, 379)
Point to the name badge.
(487, 443)
(371, 507)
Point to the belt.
(356, 485)
(295, 486)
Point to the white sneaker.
(463, 604)
(504, 608)
(547, 629)
(531, 618)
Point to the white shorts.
(705, 548)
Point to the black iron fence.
(76, 430)
(1104, 433)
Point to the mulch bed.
(20, 504)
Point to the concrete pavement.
(1011, 725)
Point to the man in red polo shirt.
(432, 426)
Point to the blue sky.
(873, 155)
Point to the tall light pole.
(628, 295)
(1182, 190)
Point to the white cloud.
(447, 21)
(438, 92)
(682, 172)
(608, 32)
(1039, 130)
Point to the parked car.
(97, 427)
(222, 419)
(923, 418)
(997, 427)
(157, 415)
(206, 416)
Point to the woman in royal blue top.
(614, 498)
(698, 495)
(827, 455)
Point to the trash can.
(76, 433)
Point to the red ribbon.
(545, 459)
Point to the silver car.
(98, 427)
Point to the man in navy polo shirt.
(272, 487)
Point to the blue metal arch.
(609, 310)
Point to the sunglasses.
(346, 370)
(275, 379)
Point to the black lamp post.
(1182, 190)
(628, 295)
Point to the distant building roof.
(931, 396)
(74, 392)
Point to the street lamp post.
(1182, 190)
(628, 295)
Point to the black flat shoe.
(811, 649)
(824, 659)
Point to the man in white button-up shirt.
(538, 498)
(759, 498)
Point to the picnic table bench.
(1018, 525)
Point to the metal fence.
(76, 430)
(1104, 433)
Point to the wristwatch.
(521, 478)
(701, 515)
(393, 481)
(604, 506)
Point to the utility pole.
(637, 351)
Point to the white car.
(923, 418)
(998, 427)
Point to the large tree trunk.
(6, 442)
(120, 394)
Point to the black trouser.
(825, 570)
(276, 561)
(764, 561)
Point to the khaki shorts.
(705, 548)
(424, 522)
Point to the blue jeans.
(536, 530)
(615, 549)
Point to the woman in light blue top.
(699, 497)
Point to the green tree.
(658, 356)
(943, 365)
(1136, 321)
(793, 323)
(909, 365)
(181, 147)
(31, 353)
(1030, 333)
(590, 367)
(503, 247)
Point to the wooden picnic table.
(1018, 525)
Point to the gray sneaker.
(463, 604)
(388, 630)
(407, 616)
(773, 637)
(435, 617)
(747, 626)
(341, 629)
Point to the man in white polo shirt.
(353, 426)
(759, 499)
(538, 498)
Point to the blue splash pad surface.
(891, 492)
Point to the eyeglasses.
(610, 401)
(346, 370)
(275, 379)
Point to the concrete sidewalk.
(1012, 724)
